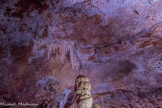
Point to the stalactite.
(62, 51)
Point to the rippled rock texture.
(46, 44)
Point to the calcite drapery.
(63, 51)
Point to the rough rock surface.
(83, 93)
(46, 44)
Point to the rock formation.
(46, 44)
(96, 106)
(66, 51)
(83, 93)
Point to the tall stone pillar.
(82, 89)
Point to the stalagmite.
(64, 100)
(82, 89)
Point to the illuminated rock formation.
(83, 87)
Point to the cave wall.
(45, 45)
